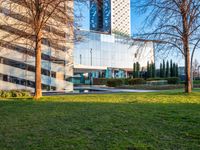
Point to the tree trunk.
(188, 85)
(38, 86)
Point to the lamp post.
(91, 56)
(91, 65)
(80, 59)
(198, 71)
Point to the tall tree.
(195, 66)
(164, 71)
(161, 70)
(137, 70)
(167, 69)
(171, 68)
(194, 69)
(176, 24)
(174, 70)
(177, 74)
(153, 70)
(39, 21)
(148, 70)
(134, 69)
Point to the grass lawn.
(167, 120)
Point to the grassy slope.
(114, 121)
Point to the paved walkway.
(112, 90)
(96, 90)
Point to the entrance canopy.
(88, 69)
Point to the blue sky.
(136, 21)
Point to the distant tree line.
(151, 70)
(166, 70)
(136, 70)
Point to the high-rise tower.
(110, 16)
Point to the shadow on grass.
(49, 124)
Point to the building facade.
(112, 54)
(111, 16)
(17, 54)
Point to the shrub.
(100, 81)
(6, 94)
(126, 81)
(155, 79)
(173, 80)
(26, 93)
(196, 81)
(14, 93)
(114, 82)
(182, 82)
(157, 82)
(135, 81)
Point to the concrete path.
(96, 90)
(112, 90)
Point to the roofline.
(134, 39)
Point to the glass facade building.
(100, 16)
(110, 16)
(111, 51)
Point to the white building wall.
(30, 76)
(16, 52)
(110, 51)
(121, 16)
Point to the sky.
(137, 22)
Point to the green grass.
(167, 120)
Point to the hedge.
(135, 81)
(171, 80)
(114, 82)
(14, 93)
(100, 81)
(103, 81)
(155, 79)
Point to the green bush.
(100, 81)
(173, 80)
(135, 81)
(126, 81)
(157, 82)
(196, 81)
(114, 82)
(182, 82)
(14, 93)
(6, 94)
(155, 79)
(103, 81)
(26, 93)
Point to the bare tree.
(38, 22)
(195, 66)
(175, 24)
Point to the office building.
(110, 56)
(107, 50)
(17, 54)
(111, 16)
